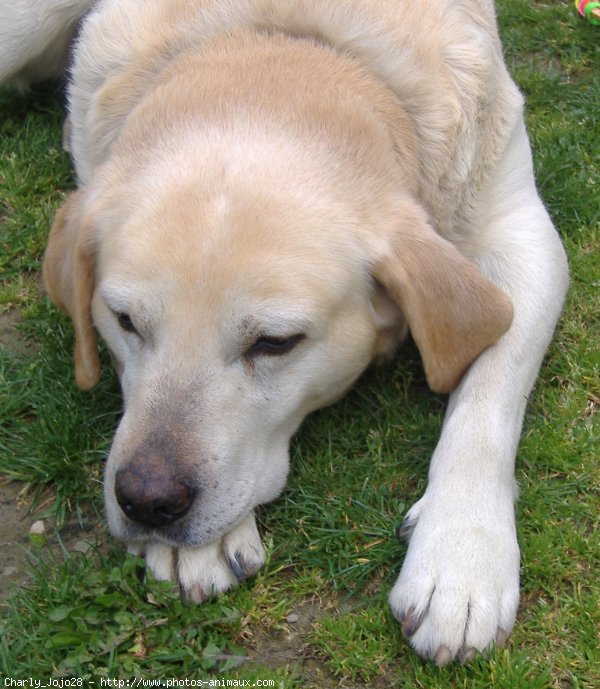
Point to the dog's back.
(35, 38)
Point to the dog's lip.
(175, 536)
(184, 534)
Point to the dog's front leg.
(458, 589)
(205, 571)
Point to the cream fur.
(35, 36)
(333, 171)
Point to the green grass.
(330, 538)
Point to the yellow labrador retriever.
(270, 192)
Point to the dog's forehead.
(221, 244)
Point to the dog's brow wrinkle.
(121, 298)
(276, 319)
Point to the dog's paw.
(458, 590)
(205, 571)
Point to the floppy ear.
(69, 278)
(453, 311)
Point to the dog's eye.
(126, 323)
(274, 346)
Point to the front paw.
(458, 590)
(205, 571)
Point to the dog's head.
(238, 292)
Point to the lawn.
(316, 615)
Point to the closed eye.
(267, 345)
(124, 320)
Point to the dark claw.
(140, 573)
(443, 656)
(405, 530)
(236, 563)
(411, 622)
(466, 654)
(502, 637)
(195, 594)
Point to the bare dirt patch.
(290, 645)
(18, 546)
(11, 338)
(14, 539)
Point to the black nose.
(151, 497)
